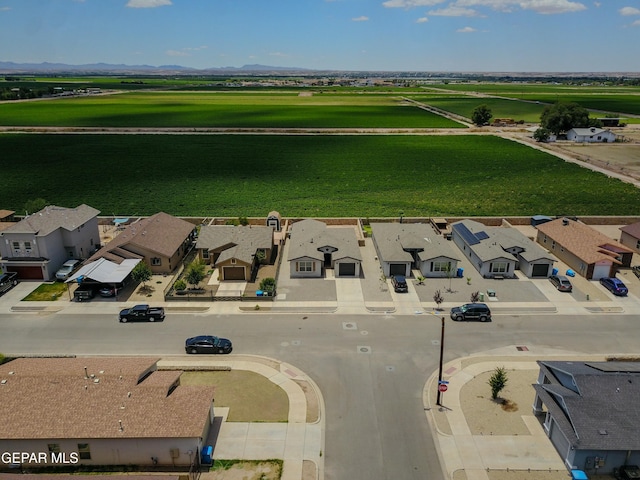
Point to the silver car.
(67, 269)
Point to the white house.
(591, 135)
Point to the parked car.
(107, 291)
(614, 285)
(8, 281)
(561, 282)
(67, 269)
(84, 292)
(399, 283)
(208, 344)
(471, 311)
(141, 313)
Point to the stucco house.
(591, 412)
(105, 411)
(591, 135)
(497, 252)
(314, 247)
(630, 236)
(161, 240)
(403, 246)
(588, 252)
(38, 245)
(235, 250)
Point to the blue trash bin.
(207, 452)
(554, 271)
(259, 293)
(460, 273)
(571, 273)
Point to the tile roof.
(633, 229)
(161, 233)
(130, 399)
(51, 218)
(582, 240)
(239, 242)
(601, 410)
(393, 240)
(307, 236)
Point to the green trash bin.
(482, 297)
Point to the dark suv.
(399, 283)
(471, 311)
(8, 281)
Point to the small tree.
(438, 298)
(475, 296)
(481, 115)
(268, 284)
(141, 273)
(421, 280)
(179, 285)
(35, 205)
(195, 273)
(541, 135)
(498, 381)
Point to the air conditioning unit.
(174, 452)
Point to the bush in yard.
(438, 298)
(179, 285)
(268, 284)
(475, 296)
(195, 273)
(498, 381)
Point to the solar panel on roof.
(466, 234)
(482, 235)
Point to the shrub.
(268, 284)
(180, 285)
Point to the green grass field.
(222, 110)
(509, 89)
(307, 176)
(500, 108)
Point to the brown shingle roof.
(583, 241)
(53, 398)
(633, 229)
(161, 233)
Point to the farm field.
(616, 103)
(507, 89)
(222, 110)
(500, 108)
(301, 175)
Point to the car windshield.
(464, 308)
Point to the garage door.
(540, 270)
(346, 269)
(27, 273)
(397, 269)
(233, 273)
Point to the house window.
(305, 266)
(553, 245)
(638, 244)
(544, 239)
(233, 261)
(84, 452)
(16, 246)
(440, 266)
(27, 245)
(205, 254)
(156, 261)
(54, 447)
(499, 267)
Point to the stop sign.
(442, 387)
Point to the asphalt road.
(371, 368)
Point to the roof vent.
(96, 380)
(3, 382)
(602, 431)
(565, 221)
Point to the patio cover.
(104, 271)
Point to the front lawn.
(47, 292)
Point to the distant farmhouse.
(591, 135)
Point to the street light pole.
(440, 369)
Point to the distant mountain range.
(47, 67)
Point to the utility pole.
(440, 370)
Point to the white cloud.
(177, 53)
(626, 11)
(538, 6)
(411, 3)
(466, 30)
(454, 11)
(147, 3)
(422, 20)
(5, 9)
(360, 19)
(636, 23)
(597, 4)
(278, 54)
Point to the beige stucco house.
(103, 411)
(630, 236)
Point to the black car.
(471, 311)
(399, 283)
(561, 282)
(208, 344)
(8, 281)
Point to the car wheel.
(152, 319)
(459, 318)
(123, 319)
(221, 350)
(193, 350)
(484, 319)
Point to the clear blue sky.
(391, 35)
